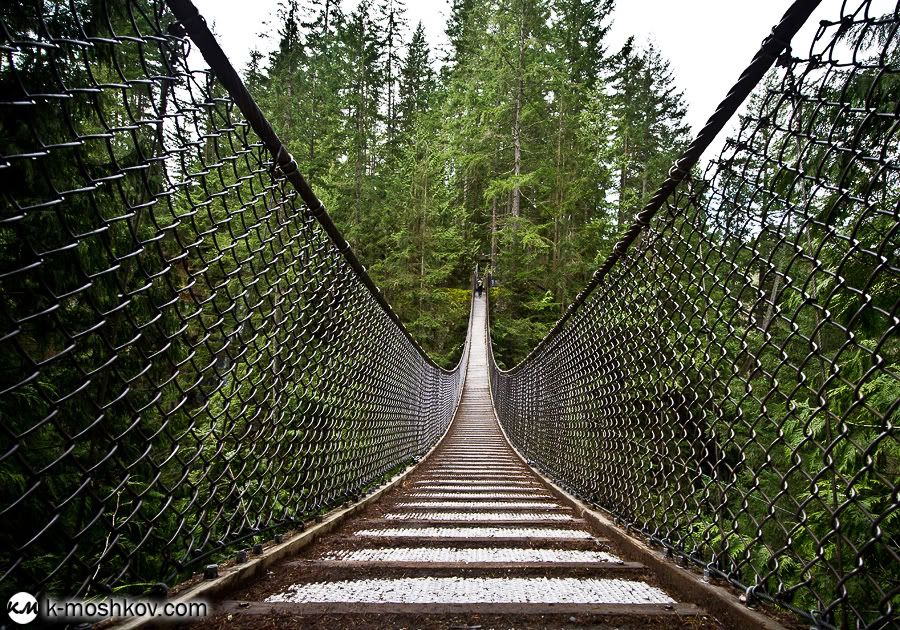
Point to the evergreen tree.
(323, 23)
(647, 114)
(287, 80)
(393, 24)
(416, 83)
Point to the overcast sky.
(708, 42)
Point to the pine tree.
(416, 83)
(362, 69)
(286, 85)
(578, 185)
(392, 23)
(648, 118)
(324, 19)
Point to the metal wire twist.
(729, 385)
(191, 359)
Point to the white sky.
(708, 42)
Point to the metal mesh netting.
(187, 359)
(730, 386)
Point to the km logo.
(22, 608)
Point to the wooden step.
(656, 615)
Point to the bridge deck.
(473, 537)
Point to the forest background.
(525, 148)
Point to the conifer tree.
(647, 114)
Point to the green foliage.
(507, 156)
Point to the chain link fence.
(728, 385)
(190, 356)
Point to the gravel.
(454, 590)
(476, 532)
(483, 554)
(476, 516)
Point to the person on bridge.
(479, 287)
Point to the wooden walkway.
(473, 538)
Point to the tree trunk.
(360, 141)
(622, 219)
(560, 182)
(390, 78)
(643, 187)
(493, 235)
(316, 60)
(423, 225)
(517, 121)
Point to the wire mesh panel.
(730, 386)
(187, 359)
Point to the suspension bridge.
(204, 394)
(471, 536)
